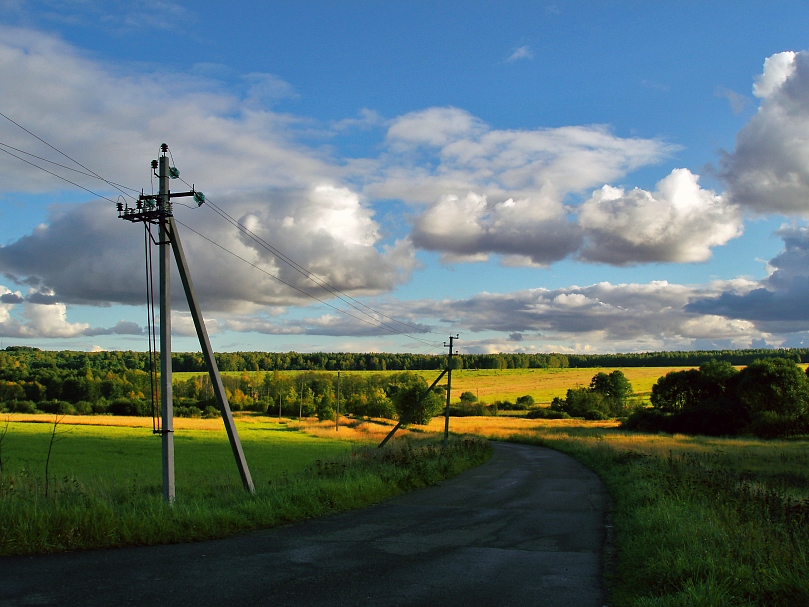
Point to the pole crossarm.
(409, 412)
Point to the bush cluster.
(769, 398)
(608, 395)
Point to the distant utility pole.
(337, 414)
(449, 386)
(157, 210)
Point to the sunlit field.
(490, 385)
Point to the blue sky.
(566, 176)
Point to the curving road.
(526, 528)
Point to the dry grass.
(180, 423)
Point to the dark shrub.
(130, 406)
(21, 406)
(543, 413)
(83, 407)
(56, 407)
(187, 411)
(647, 420)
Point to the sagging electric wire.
(76, 162)
(86, 174)
(341, 295)
(377, 324)
(57, 176)
(297, 267)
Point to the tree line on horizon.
(117, 361)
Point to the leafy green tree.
(405, 389)
(325, 407)
(677, 391)
(776, 385)
(581, 400)
(468, 398)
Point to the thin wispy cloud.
(737, 101)
(523, 52)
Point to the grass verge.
(303, 477)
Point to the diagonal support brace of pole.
(210, 361)
(410, 411)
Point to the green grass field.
(105, 484)
(132, 455)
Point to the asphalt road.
(526, 528)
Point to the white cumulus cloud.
(768, 171)
(679, 222)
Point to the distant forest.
(120, 361)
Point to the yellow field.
(543, 384)
(490, 385)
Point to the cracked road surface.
(526, 528)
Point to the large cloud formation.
(529, 196)
(778, 303)
(286, 193)
(768, 172)
(86, 255)
(491, 191)
(679, 222)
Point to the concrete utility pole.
(449, 387)
(157, 210)
(164, 262)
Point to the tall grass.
(106, 486)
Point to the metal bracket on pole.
(210, 361)
(409, 412)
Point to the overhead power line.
(74, 161)
(86, 174)
(377, 323)
(357, 305)
(55, 175)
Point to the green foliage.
(769, 397)
(607, 396)
(476, 409)
(468, 397)
(405, 389)
(542, 413)
(774, 385)
(325, 408)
